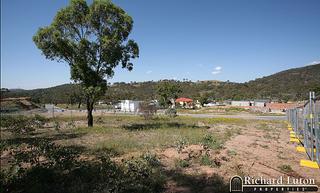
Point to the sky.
(235, 40)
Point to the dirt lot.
(195, 154)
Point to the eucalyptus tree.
(93, 41)
(168, 92)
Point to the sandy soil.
(255, 152)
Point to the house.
(185, 102)
(280, 107)
(52, 108)
(260, 103)
(241, 103)
(210, 104)
(129, 106)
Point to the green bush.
(209, 141)
(206, 160)
(285, 168)
(180, 163)
(181, 144)
(171, 112)
(19, 124)
(58, 169)
(151, 159)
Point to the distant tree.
(76, 95)
(317, 90)
(168, 92)
(93, 40)
(203, 99)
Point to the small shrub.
(171, 112)
(231, 152)
(209, 141)
(71, 124)
(22, 124)
(56, 125)
(99, 120)
(181, 144)
(180, 163)
(205, 160)
(151, 159)
(285, 168)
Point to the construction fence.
(304, 126)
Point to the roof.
(183, 100)
(261, 100)
(281, 105)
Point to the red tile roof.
(183, 100)
(281, 105)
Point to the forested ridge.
(292, 84)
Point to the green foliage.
(152, 159)
(236, 109)
(180, 163)
(231, 152)
(209, 141)
(70, 124)
(181, 144)
(205, 160)
(283, 86)
(41, 166)
(100, 120)
(93, 40)
(171, 112)
(285, 168)
(56, 125)
(168, 92)
(203, 99)
(20, 124)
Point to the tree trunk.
(89, 112)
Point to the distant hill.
(292, 84)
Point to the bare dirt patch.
(260, 150)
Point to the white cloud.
(217, 70)
(149, 72)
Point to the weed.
(205, 160)
(181, 144)
(285, 168)
(264, 146)
(231, 152)
(209, 141)
(152, 159)
(180, 163)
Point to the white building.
(129, 105)
(51, 108)
(260, 103)
(241, 103)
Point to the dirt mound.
(17, 104)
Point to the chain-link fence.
(305, 122)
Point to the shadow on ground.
(185, 183)
(29, 139)
(159, 125)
